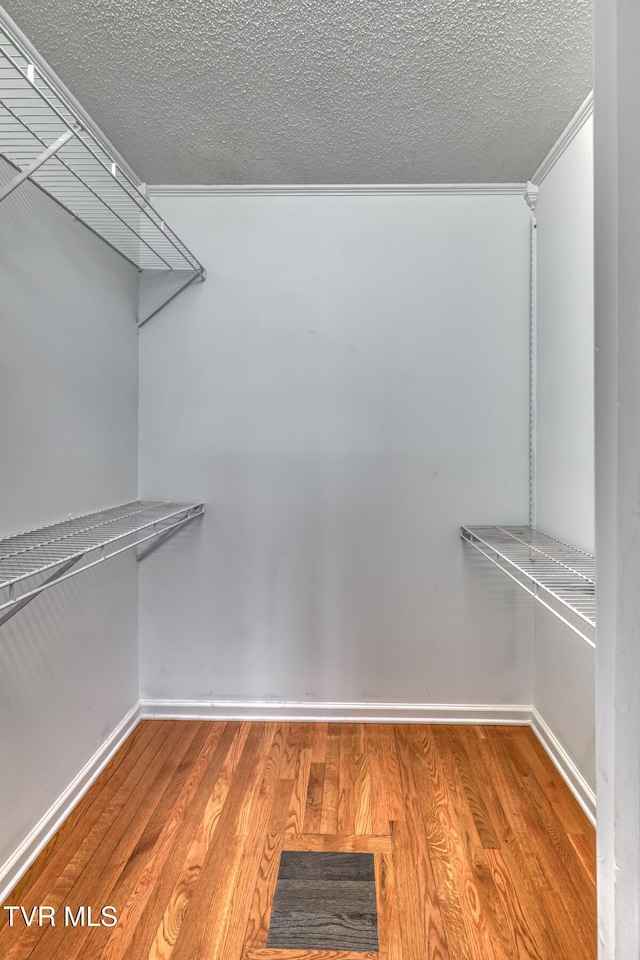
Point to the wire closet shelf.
(30, 562)
(562, 577)
(42, 136)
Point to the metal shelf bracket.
(36, 164)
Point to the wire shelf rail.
(41, 132)
(52, 551)
(558, 575)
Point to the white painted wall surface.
(564, 460)
(617, 361)
(564, 692)
(68, 444)
(348, 386)
(564, 689)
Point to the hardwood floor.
(480, 851)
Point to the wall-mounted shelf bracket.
(31, 168)
(34, 561)
(557, 575)
(161, 291)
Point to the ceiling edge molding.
(336, 190)
(571, 130)
(50, 75)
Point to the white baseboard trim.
(336, 190)
(567, 768)
(22, 858)
(334, 712)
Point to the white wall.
(68, 444)
(617, 295)
(346, 389)
(564, 691)
(564, 447)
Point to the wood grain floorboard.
(204, 777)
(480, 851)
(338, 842)
(87, 810)
(210, 912)
(82, 819)
(96, 847)
(298, 800)
(106, 868)
(379, 807)
(331, 786)
(270, 954)
(388, 914)
(347, 782)
(313, 807)
(260, 911)
(321, 735)
(201, 734)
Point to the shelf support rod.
(20, 604)
(187, 283)
(161, 537)
(36, 164)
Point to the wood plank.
(327, 866)
(363, 799)
(379, 805)
(391, 773)
(183, 821)
(137, 753)
(282, 802)
(558, 861)
(432, 791)
(267, 954)
(518, 834)
(566, 807)
(119, 870)
(297, 803)
(148, 876)
(94, 800)
(201, 734)
(478, 808)
(388, 914)
(347, 777)
(331, 788)
(512, 867)
(584, 845)
(294, 736)
(238, 914)
(321, 735)
(175, 911)
(313, 807)
(106, 833)
(423, 932)
(206, 922)
(341, 843)
(260, 911)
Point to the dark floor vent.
(325, 901)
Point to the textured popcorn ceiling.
(321, 91)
